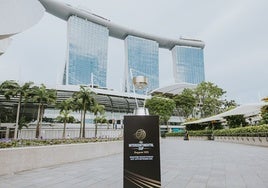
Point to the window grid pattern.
(142, 60)
(88, 46)
(188, 64)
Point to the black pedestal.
(141, 152)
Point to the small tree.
(208, 96)
(85, 97)
(65, 109)
(77, 106)
(98, 111)
(65, 118)
(185, 102)
(264, 114)
(10, 89)
(163, 107)
(42, 96)
(236, 121)
(99, 120)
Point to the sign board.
(141, 152)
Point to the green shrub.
(200, 133)
(261, 130)
(44, 142)
(192, 133)
(175, 134)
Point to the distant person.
(186, 135)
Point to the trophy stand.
(141, 145)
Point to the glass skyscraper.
(188, 64)
(86, 54)
(141, 60)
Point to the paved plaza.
(190, 164)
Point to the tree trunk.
(84, 125)
(17, 119)
(81, 125)
(41, 119)
(64, 128)
(37, 132)
(96, 129)
(167, 127)
(84, 121)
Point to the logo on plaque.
(140, 135)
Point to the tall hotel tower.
(141, 60)
(188, 64)
(87, 48)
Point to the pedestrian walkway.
(190, 164)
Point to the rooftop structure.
(114, 101)
(64, 11)
(248, 110)
(88, 45)
(173, 89)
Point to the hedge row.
(192, 133)
(261, 130)
(45, 142)
(200, 133)
(174, 134)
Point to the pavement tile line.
(183, 164)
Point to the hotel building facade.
(88, 48)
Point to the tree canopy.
(203, 101)
(42, 96)
(185, 102)
(209, 100)
(85, 100)
(11, 88)
(161, 106)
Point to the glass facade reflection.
(141, 60)
(87, 53)
(188, 64)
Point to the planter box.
(20, 159)
(258, 141)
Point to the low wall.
(190, 137)
(19, 159)
(257, 141)
(55, 133)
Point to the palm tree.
(87, 101)
(77, 106)
(98, 111)
(65, 109)
(42, 96)
(65, 117)
(11, 88)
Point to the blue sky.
(235, 33)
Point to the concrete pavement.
(190, 164)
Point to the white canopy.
(174, 89)
(247, 110)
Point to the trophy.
(139, 83)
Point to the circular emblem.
(140, 134)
